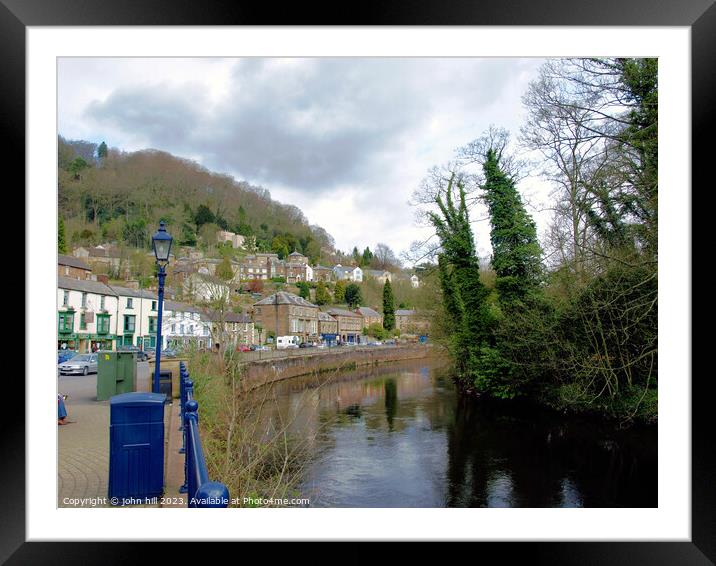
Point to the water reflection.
(401, 437)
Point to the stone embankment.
(259, 372)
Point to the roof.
(322, 267)
(367, 311)
(215, 316)
(175, 306)
(284, 298)
(296, 254)
(345, 269)
(342, 312)
(85, 286)
(404, 312)
(377, 272)
(139, 293)
(104, 252)
(72, 261)
(325, 317)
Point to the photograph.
(357, 282)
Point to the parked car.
(305, 345)
(390, 342)
(64, 355)
(243, 348)
(81, 364)
(263, 349)
(169, 353)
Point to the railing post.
(183, 374)
(190, 415)
(188, 396)
(213, 494)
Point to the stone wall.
(267, 371)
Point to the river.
(400, 436)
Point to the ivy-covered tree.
(388, 306)
(304, 291)
(353, 295)
(61, 238)
(515, 249)
(224, 270)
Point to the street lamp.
(162, 244)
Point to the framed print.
(400, 278)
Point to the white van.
(284, 342)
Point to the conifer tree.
(388, 306)
(323, 297)
(61, 239)
(339, 293)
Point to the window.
(129, 303)
(83, 322)
(66, 321)
(102, 324)
(84, 300)
(174, 326)
(129, 323)
(152, 325)
(65, 298)
(154, 305)
(101, 302)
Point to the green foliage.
(353, 295)
(377, 331)
(515, 249)
(136, 233)
(279, 245)
(102, 150)
(388, 306)
(366, 258)
(304, 291)
(61, 238)
(224, 270)
(323, 297)
(339, 292)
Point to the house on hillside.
(409, 321)
(414, 281)
(379, 275)
(321, 273)
(236, 240)
(204, 287)
(351, 273)
(73, 267)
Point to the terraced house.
(137, 317)
(350, 324)
(287, 314)
(183, 326)
(86, 315)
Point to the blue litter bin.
(136, 447)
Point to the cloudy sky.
(345, 140)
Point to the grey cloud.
(309, 124)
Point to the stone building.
(327, 326)
(350, 324)
(410, 322)
(370, 316)
(73, 267)
(287, 314)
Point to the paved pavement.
(83, 446)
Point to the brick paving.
(83, 446)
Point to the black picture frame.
(699, 15)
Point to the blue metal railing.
(200, 490)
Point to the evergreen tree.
(388, 306)
(515, 249)
(367, 257)
(356, 255)
(102, 151)
(304, 291)
(61, 238)
(353, 294)
(323, 297)
(339, 293)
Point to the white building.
(354, 274)
(137, 317)
(236, 240)
(414, 281)
(86, 315)
(380, 275)
(183, 325)
(202, 287)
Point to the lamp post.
(162, 244)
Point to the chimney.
(103, 278)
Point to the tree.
(356, 255)
(204, 215)
(388, 306)
(339, 292)
(77, 166)
(102, 151)
(515, 249)
(224, 270)
(61, 238)
(255, 286)
(304, 291)
(384, 258)
(367, 257)
(323, 297)
(353, 295)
